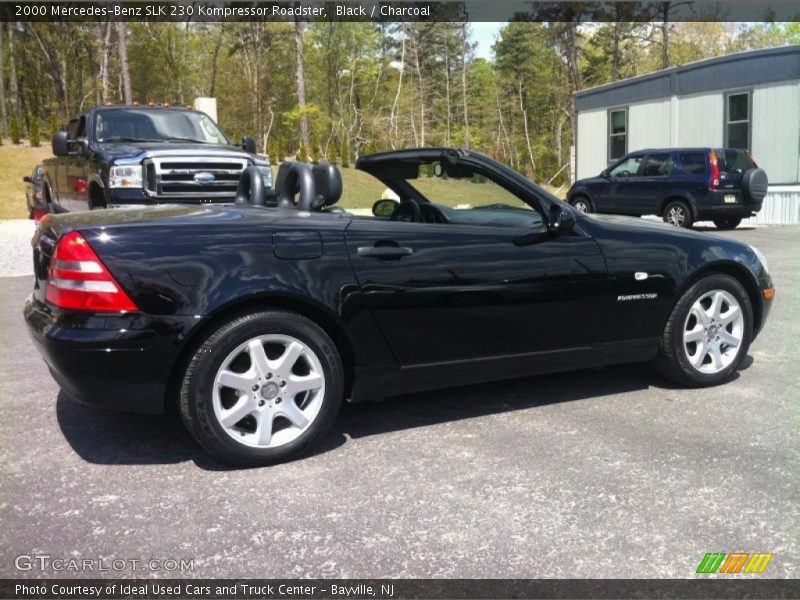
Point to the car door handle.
(385, 252)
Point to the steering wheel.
(431, 214)
(407, 211)
(623, 174)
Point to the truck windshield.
(156, 125)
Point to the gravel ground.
(596, 474)
(15, 247)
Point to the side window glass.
(657, 165)
(694, 163)
(627, 168)
(471, 199)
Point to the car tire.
(707, 334)
(679, 214)
(582, 204)
(730, 223)
(295, 385)
(754, 185)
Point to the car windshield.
(156, 125)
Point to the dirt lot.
(610, 473)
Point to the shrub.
(14, 129)
(34, 131)
(345, 155)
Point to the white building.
(748, 100)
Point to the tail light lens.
(79, 280)
(714, 181)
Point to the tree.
(300, 77)
(3, 114)
(125, 73)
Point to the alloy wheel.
(268, 391)
(713, 331)
(676, 215)
(581, 206)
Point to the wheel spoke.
(729, 339)
(305, 384)
(716, 355)
(238, 381)
(716, 305)
(287, 360)
(732, 314)
(237, 412)
(258, 356)
(293, 413)
(701, 314)
(264, 428)
(700, 354)
(695, 335)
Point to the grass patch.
(15, 163)
(361, 190)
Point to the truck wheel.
(679, 214)
(582, 204)
(729, 223)
(262, 388)
(707, 334)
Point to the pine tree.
(14, 129)
(333, 156)
(345, 155)
(34, 131)
(302, 153)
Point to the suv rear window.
(734, 161)
(694, 163)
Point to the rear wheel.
(582, 204)
(729, 223)
(677, 213)
(707, 334)
(262, 388)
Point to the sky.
(485, 34)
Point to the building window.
(617, 133)
(737, 121)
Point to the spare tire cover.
(754, 184)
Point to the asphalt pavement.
(610, 473)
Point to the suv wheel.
(582, 204)
(677, 213)
(707, 333)
(262, 388)
(729, 223)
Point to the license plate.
(730, 198)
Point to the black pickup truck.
(131, 154)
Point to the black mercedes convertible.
(257, 319)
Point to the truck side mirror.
(249, 144)
(60, 144)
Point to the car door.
(650, 184)
(477, 287)
(618, 197)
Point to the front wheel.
(262, 388)
(707, 334)
(582, 204)
(729, 223)
(678, 214)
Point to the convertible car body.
(257, 319)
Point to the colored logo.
(735, 562)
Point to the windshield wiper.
(185, 139)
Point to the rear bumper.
(116, 362)
(715, 207)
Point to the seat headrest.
(328, 181)
(295, 178)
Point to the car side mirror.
(384, 207)
(60, 144)
(560, 219)
(27, 179)
(249, 144)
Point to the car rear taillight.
(714, 181)
(79, 280)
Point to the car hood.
(136, 152)
(588, 181)
(647, 226)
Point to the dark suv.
(681, 185)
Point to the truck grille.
(182, 177)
